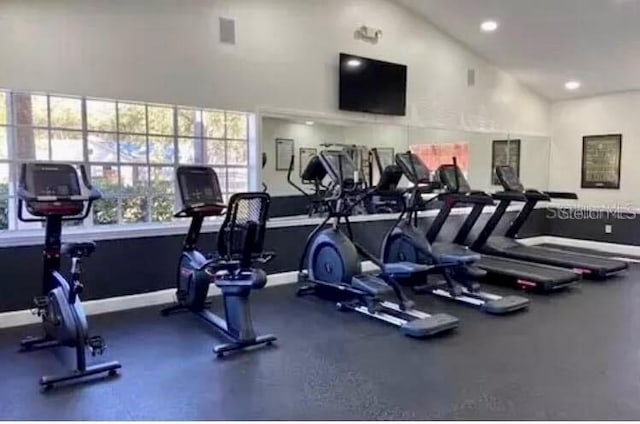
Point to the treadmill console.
(198, 186)
(508, 178)
(413, 168)
(453, 183)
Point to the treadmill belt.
(527, 271)
(566, 259)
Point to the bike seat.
(453, 253)
(400, 269)
(78, 250)
(255, 280)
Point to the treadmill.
(590, 266)
(526, 275)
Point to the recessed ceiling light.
(489, 26)
(354, 63)
(572, 85)
(309, 122)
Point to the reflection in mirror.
(475, 152)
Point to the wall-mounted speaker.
(471, 77)
(227, 31)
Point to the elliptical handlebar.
(202, 209)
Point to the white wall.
(286, 58)
(609, 114)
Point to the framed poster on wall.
(306, 154)
(504, 152)
(601, 156)
(284, 151)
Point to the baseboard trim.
(121, 303)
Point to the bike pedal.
(96, 345)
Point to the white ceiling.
(545, 43)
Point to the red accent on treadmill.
(581, 270)
(527, 283)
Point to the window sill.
(130, 231)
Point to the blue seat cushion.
(404, 268)
(454, 253)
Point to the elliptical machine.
(52, 194)
(330, 265)
(240, 245)
(455, 263)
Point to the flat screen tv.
(373, 86)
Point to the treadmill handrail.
(511, 196)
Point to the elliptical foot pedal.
(96, 345)
(429, 326)
(505, 305)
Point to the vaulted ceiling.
(545, 43)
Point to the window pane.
(105, 211)
(4, 214)
(66, 112)
(4, 148)
(4, 180)
(236, 152)
(105, 178)
(161, 149)
(238, 180)
(102, 147)
(31, 109)
(132, 118)
(162, 180)
(189, 122)
(160, 120)
(101, 115)
(214, 124)
(222, 178)
(66, 145)
(134, 180)
(162, 209)
(214, 152)
(187, 148)
(133, 148)
(237, 125)
(134, 209)
(3, 108)
(32, 143)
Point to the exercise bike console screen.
(199, 186)
(508, 178)
(415, 170)
(53, 181)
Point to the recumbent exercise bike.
(52, 194)
(239, 245)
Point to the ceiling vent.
(227, 31)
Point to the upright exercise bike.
(331, 266)
(239, 245)
(51, 193)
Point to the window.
(131, 150)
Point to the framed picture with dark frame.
(284, 151)
(306, 154)
(504, 152)
(601, 158)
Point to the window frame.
(149, 192)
